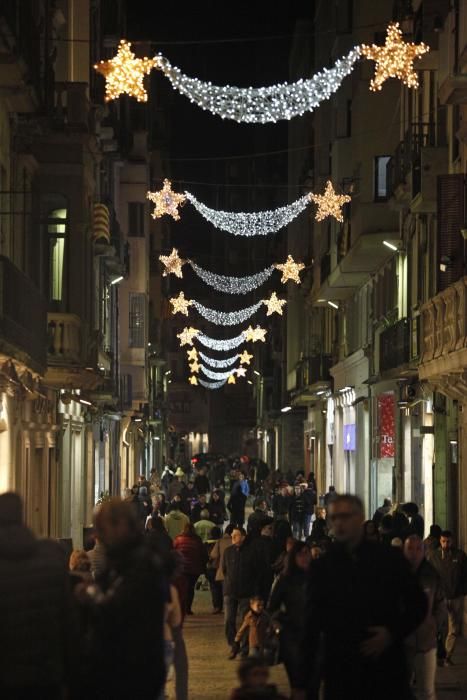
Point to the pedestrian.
(241, 581)
(197, 507)
(167, 477)
(432, 541)
(80, 568)
(279, 565)
(287, 605)
(451, 565)
(370, 531)
(265, 552)
(422, 644)
(255, 626)
(298, 513)
(330, 496)
(160, 505)
(202, 484)
(175, 521)
(158, 539)
(177, 485)
(97, 558)
(258, 518)
(195, 559)
(36, 618)
(362, 602)
(416, 522)
(281, 503)
(382, 511)
(204, 526)
(126, 642)
(237, 501)
(217, 510)
(216, 556)
(253, 674)
(310, 498)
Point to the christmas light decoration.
(124, 73)
(394, 59)
(215, 375)
(173, 264)
(166, 200)
(218, 363)
(274, 304)
(222, 345)
(259, 223)
(233, 285)
(226, 318)
(330, 203)
(264, 104)
(231, 379)
(187, 335)
(193, 380)
(180, 304)
(240, 372)
(194, 367)
(192, 354)
(290, 270)
(212, 385)
(255, 334)
(245, 358)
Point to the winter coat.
(425, 636)
(175, 489)
(242, 574)
(257, 627)
(36, 613)
(451, 566)
(202, 484)
(175, 522)
(217, 555)
(217, 512)
(297, 508)
(265, 553)
(256, 521)
(98, 559)
(204, 529)
(280, 505)
(193, 552)
(237, 501)
(288, 602)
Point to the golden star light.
(240, 372)
(255, 334)
(195, 367)
(180, 304)
(329, 203)
(187, 335)
(274, 304)
(124, 73)
(231, 379)
(193, 380)
(245, 358)
(394, 59)
(192, 354)
(167, 201)
(290, 270)
(173, 264)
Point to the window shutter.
(451, 193)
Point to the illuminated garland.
(218, 363)
(215, 375)
(226, 318)
(211, 385)
(233, 285)
(221, 345)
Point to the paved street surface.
(452, 682)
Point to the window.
(136, 217)
(136, 320)
(381, 179)
(56, 234)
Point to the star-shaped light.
(187, 335)
(193, 380)
(173, 264)
(195, 367)
(180, 304)
(245, 358)
(329, 203)
(290, 270)
(192, 354)
(167, 201)
(231, 379)
(124, 73)
(255, 334)
(240, 372)
(274, 304)
(394, 59)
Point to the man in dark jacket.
(36, 622)
(451, 565)
(241, 581)
(127, 642)
(258, 518)
(237, 501)
(298, 508)
(363, 602)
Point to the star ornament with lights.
(330, 203)
(180, 304)
(187, 335)
(231, 379)
(195, 367)
(255, 334)
(193, 380)
(274, 304)
(394, 59)
(166, 201)
(124, 73)
(290, 270)
(192, 354)
(173, 264)
(245, 358)
(240, 372)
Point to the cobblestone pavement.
(211, 675)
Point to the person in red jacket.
(195, 559)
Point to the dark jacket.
(452, 569)
(194, 554)
(202, 484)
(265, 554)
(256, 521)
(425, 636)
(36, 615)
(297, 508)
(217, 512)
(241, 571)
(237, 500)
(288, 602)
(348, 594)
(280, 505)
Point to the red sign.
(387, 425)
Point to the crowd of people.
(364, 608)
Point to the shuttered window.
(450, 244)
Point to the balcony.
(394, 347)
(23, 318)
(312, 374)
(67, 359)
(72, 108)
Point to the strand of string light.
(232, 285)
(220, 364)
(215, 375)
(212, 385)
(226, 318)
(222, 345)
